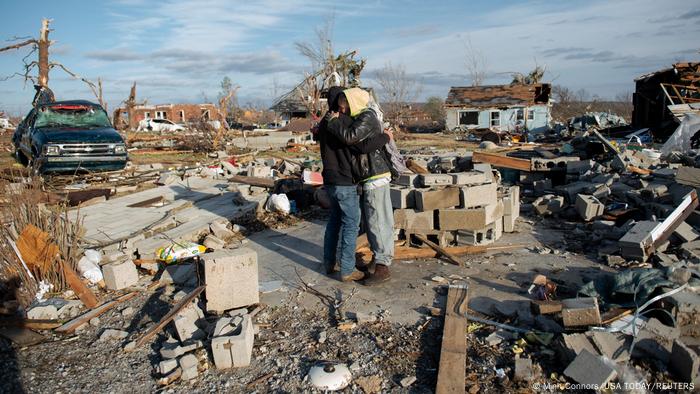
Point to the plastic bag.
(89, 266)
(278, 203)
(179, 251)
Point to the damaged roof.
(498, 95)
(688, 73)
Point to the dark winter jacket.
(339, 164)
(364, 127)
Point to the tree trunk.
(43, 45)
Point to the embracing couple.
(357, 171)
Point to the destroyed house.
(290, 106)
(663, 97)
(177, 113)
(499, 107)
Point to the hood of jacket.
(358, 100)
(333, 95)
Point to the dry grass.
(22, 206)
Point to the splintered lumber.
(447, 255)
(411, 253)
(81, 290)
(453, 353)
(253, 181)
(415, 167)
(637, 170)
(663, 231)
(497, 160)
(169, 317)
(38, 252)
(32, 324)
(74, 324)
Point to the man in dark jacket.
(340, 177)
(374, 171)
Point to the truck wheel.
(20, 157)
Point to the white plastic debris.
(278, 203)
(44, 288)
(89, 267)
(330, 376)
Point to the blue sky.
(179, 50)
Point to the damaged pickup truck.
(69, 136)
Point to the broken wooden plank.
(497, 160)
(453, 353)
(447, 255)
(74, 324)
(169, 317)
(32, 324)
(81, 290)
(415, 167)
(637, 170)
(662, 232)
(411, 253)
(253, 181)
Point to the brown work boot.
(354, 276)
(381, 275)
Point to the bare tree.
(41, 45)
(475, 62)
(319, 53)
(396, 91)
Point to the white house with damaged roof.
(499, 107)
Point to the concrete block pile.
(463, 208)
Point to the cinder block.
(523, 369)
(413, 221)
(470, 178)
(548, 204)
(234, 350)
(686, 232)
(588, 207)
(118, 276)
(509, 223)
(259, 171)
(185, 323)
(231, 278)
(428, 200)
(483, 236)
(475, 196)
(634, 243)
(579, 167)
(571, 190)
(580, 312)
(402, 197)
(685, 362)
(469, 218)
(220, 230)
(242, 344)
(590, 369)
(428, 180)
(511, 201)
(410, 180)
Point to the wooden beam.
(253, 181)
(411, 253)
(447, 255)
(453, 353)
(169, 317)
(497, 160)
(415, 167)
(81, 290)
(74, 324)
(32, 324)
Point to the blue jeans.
(379, 222)
(342, 228)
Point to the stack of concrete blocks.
(465, 208)
(232, 342)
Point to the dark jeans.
(341, 231)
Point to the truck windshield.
(73, 116)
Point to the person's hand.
(334, 114)
(389, 133)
